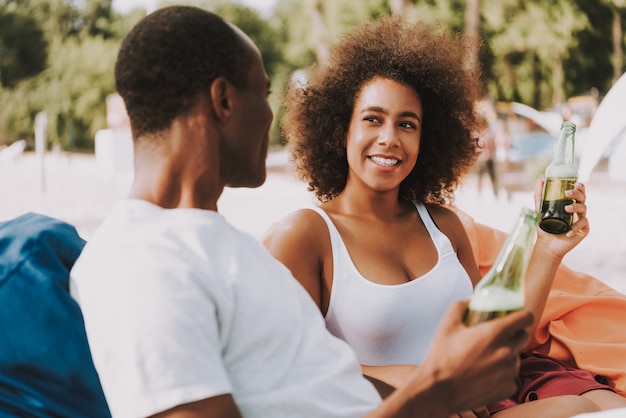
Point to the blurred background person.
(486, 161)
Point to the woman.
(383, 134)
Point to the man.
(185, 315)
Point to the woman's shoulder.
(302, 225)
(446, 219)
(442, 213)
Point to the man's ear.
(221, 98)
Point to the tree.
(472, 35)
(400, 7)
(264, 35)
(55, 17)
(95, 18)
(76, 77)
(531, 41)
(315, 9)
(618, 35)
(73, 90)
(23, 49)
(58, 55)
(589, 66)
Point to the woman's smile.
(384, 161)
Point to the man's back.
(180, 307)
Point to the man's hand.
(469, 367)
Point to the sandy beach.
(73, 188)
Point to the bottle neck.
(565, 147)
(510, 266)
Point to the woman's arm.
(395, 375)
(301, 242)
(549, 251)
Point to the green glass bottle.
(561, 175)
(501, 290)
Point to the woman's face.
(383, 137)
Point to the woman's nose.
(388, 136)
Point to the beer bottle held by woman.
(501, 290)
(561, 175)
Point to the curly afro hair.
(425, 57)
(169, 58)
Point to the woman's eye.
(371, 119)
(409, 125)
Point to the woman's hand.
(561, 244)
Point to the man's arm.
(464, 369)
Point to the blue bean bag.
(46, 368)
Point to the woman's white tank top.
(392, 324)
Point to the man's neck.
(181, 171)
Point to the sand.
(75, 188)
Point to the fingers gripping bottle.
(501, 290)
(561, 175)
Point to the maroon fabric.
(544, 377)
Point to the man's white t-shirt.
(179, 306)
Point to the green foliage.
(16, 116)
(298, 49)
(259, 30)
(75, 79)
(72, 92)
(23, 49)
(450, 12)
(527, 39)
(270, 43)
(75, 88)
(589, 66)
(58, 55)
(95, 19)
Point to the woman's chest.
(388, 255)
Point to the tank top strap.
(324, 215)
(426, 219)
(439, 238)
(421, 210)
(332, 229)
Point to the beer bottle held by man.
(501, 290)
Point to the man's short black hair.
(171, 56)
